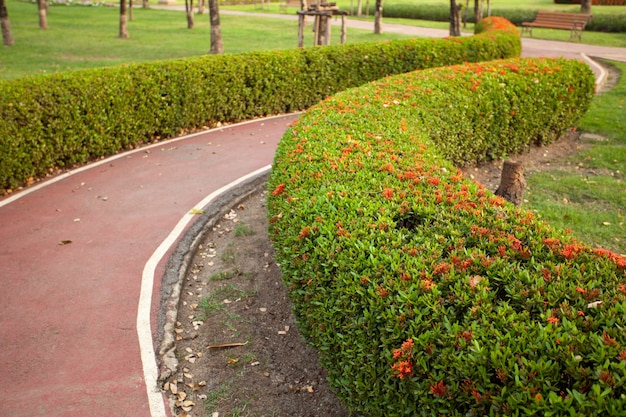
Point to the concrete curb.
(179, 261)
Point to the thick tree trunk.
(7, 36)
(123, 22)
(478, 10)
(378, 17)
(455, 18)
(217, 46)
(512, 183)
(585, 6)
(144, 3)
(43, 20)
(189, 12)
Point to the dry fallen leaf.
(65, 242)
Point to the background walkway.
(73, 252)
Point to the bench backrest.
(562, 18)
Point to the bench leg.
(576, 34)
(527, 30)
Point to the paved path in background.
(73, 256)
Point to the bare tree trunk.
(359, 5)
(123, 22)
(43, 20)
(201, 5)
(189, 12)
(455, 18)
(144, 4)
(7, 36)
(378, 17)
(585, 6)
(367, 8)
(478, 10)
(512, 183)
(217, 46)
(130, 10)
(465, 14)
(488, 8)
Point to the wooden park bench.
(574, 22)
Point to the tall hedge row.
(70, 118)
(424, 293)
(609, 22)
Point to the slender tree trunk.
(201, 6)
(378, 17)
(189, 12)
(359, 6)
(465, 14)
(478, 10)
(7, 36)
(130, 10)
(455, 18)
(585, 6)
(123, 22)
(488, 8)
(217, 46)
(43, 20)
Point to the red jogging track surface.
(72, 257)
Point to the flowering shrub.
(425, 293)
(494, 24)
(66, 119)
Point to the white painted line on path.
(144, 328)
(600, 79)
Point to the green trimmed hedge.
(424, 293)
(614, 22)
(67, 119)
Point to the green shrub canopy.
(424, 293)
(67, 119)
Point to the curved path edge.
(186, 243)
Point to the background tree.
(43, 12)
(130, 10)
(123, 21)
(478, 10)
(189, 12)
(7, 36)
(378, 17)
(585, 6)
(217, 46)
(455, 18)
(201, 6)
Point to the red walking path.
(82, 256)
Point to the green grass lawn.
(86, 37)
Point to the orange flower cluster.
(403, 367)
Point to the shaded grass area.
(587, 193)
(87, 37)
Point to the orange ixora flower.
(438, 389)
(279, 189)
